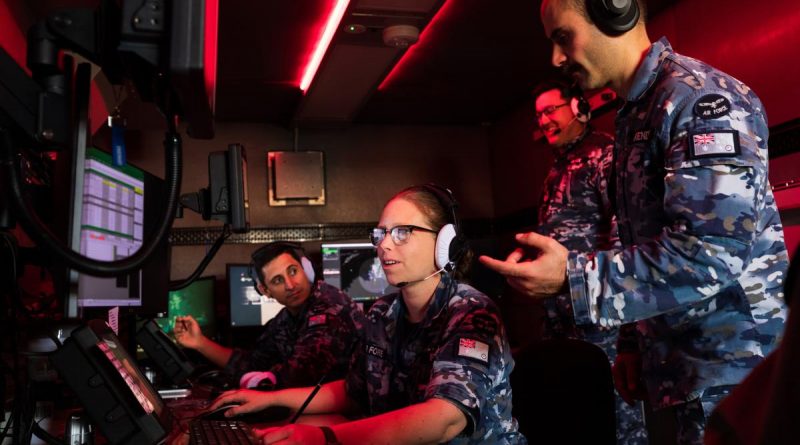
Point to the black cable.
(226, 232)
(15, 292)
(44, 237)
(41, 433)
(9, 423)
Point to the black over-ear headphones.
(613, 17)
(579, 105)
(257, 259)
(450, 242)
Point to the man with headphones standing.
(309, 339)
(703, 258)
(575, 211)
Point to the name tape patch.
(375, 351)
(642, 136)
(473, 349)
(712, 106)
(708, 144)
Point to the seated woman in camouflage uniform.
(435, 360)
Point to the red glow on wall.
(210, 50)
(424, 40)
(12, 39)
(327, 31)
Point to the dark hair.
(268, 252)
(567, 91)
(437, 215)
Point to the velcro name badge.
(473, 349)
(717, 143)
(375, 351)
(712, 106)
(317, 320)
(641, 136)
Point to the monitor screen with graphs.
(355, 269)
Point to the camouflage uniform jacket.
(459, 352)
(300, 349)
(703, 257)
(575, 211)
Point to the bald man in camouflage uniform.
(703, 257)
(575, 211)
(459, 352)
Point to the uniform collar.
(566, 148)
(649, 69)
(441, 295)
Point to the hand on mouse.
(249, 401)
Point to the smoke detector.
(400, 36)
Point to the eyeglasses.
(549, 110)
(399, 234)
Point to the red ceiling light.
(210, 50)
(331, 25)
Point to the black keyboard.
(222, 432)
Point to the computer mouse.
(272, 414)
(218, 413)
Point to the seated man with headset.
(309, 339)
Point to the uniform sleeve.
(355, 381)
(261, 358)
(322, 342)
(711, 205)
(471, 356)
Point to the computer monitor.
(170, 360)
(197, 300)
(101, 195)
(108, 224)
(112, 389)
(355, 269)
(248, 308)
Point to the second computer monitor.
(355, 269)
(197, 300)
(248, 308)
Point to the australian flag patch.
(716, 143)
(473, 349)
(317, 320)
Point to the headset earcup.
(308, 268)
(254, 277)
(581, 109)
(444, 240)
(611, 20)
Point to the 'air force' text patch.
(473, 349)
(717, 143)
(712, 106)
